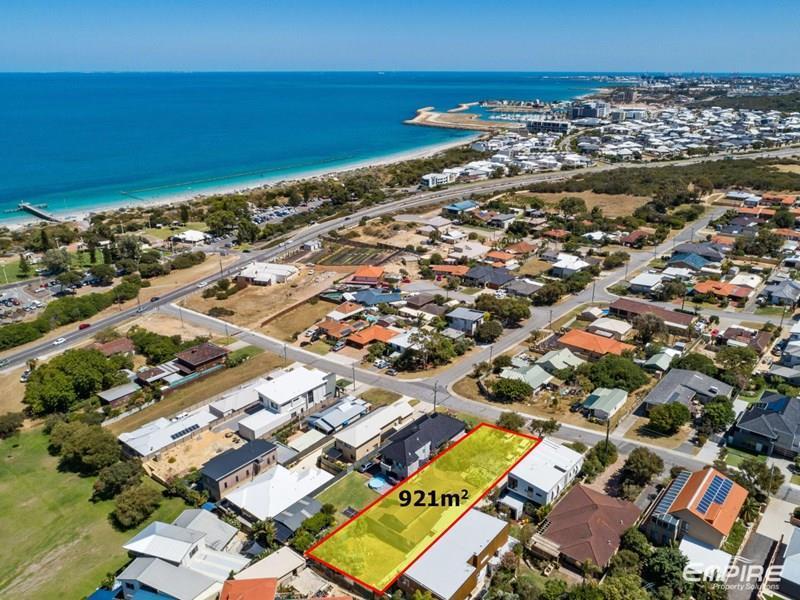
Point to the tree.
(247, 231)
(68, 278)
(501, 362)
(103, 273)
(737, 364)
(264, 532)
(549, 293)
(641, 466)
(664, 567)
(670, 290)
(669, 418)
(302, 540)
(750, 509)
(783, 218)
(759, 479)
(56, 261)
(129, 247)
(511, 421)
(543, 427)
(695, 362)
(135, 504)
(615, 260)
(614, 371)
(572, 205)
(635, 541)
(86, 448)
(24, 267)
(10, 423)
(649, 327)
(488, 332)
(184, 213)
(115, 478)
(624, 586)
(625, 561)
(718, 415)
(511, 390)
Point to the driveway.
(775, 522)
(754, 552)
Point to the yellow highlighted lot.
(379, 544)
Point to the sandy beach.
(237, 187)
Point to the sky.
(466, 35)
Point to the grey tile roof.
(290, 520)
(775, 417)
(217, 532)
(681, 385)
(430, 429)
(178, 582)
(227, 462)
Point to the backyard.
(55, 542)
(349, 492)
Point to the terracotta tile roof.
(119, 346)
(335, 329)
(723, 240)
(756, 211)
(456, 270)
(499, 256)
(785, 232)
(348, 307)
(556, 233)
(722, 289)
(589, 342)
(249, 589)
(587, 525)
(787, 200)
(521, 248)
(721, 516)
(368, 272)
(633, 237)
(373, 333)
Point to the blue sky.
(578, 35)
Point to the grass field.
(735, 457)
(55, 542)
(297, 320)
(203, 389)
(351, 490)
(379, 397)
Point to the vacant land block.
(343, 254)
(612, 205)
(297, 320)
(382, 541)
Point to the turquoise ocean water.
(87, 141)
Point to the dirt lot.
(639, 432)
(13, 391)
(255, 303)
(167, 325)
(297, 320)
(611, 205)
(394, 233)
(165, 284)
(788, 168)
(533, 267)
(198, 450)
(201, 391)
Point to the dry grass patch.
(13, 391)
(297, 320)
(612, 205)
(640, 432)
(202, 390)
(533, 267)
(379, 397)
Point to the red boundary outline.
(308, 553)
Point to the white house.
(160, 579)
(567, 265)
(190, 236)
(262, 273)
(296, 391)
(647, 283)
(542, 475)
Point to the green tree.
(68, 278)
(572, 205)
(10, 423)
(511, 421)
(87, 448)
(24, 267)
(511, 390)
(184, 213)
(115, 478)
(718, 415)
(635, 541)
(649, 327)
(103, 273)
(56, 261)
(625, 586)
(614, 371)
(759, 479)
(641, 466)
(302, 541)
(737, 364)
(135, 504)
(543, 427)
(488, 332)
(695, 362)
(669, 418)
(263, 532)
(664, 567)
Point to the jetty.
(39, 211)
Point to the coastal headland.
(427, 117)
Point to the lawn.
(772, 310)
(735, 457)
(54, 542)
(735, 538)
(320, 347)
(351, 490)
(201, 390)
(245, 353)
(379, 397)
(533, 267)
(165, 232)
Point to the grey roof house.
(465, 319)
(784, 293)
(338, 416)
(227, 471)
(414, 445)
(684, 386)
(771, 426)
(289, 521)
(161, 579)
(488, 276)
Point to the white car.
(202, 284)
(59, 341)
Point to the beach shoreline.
(231, 187)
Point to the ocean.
(78, 142)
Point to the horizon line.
(396, 71)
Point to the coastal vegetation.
(780, 102)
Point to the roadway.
(311, 232)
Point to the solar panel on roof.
(184, 432)
(672, 492)
(723, 492)
(711, 494)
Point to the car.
(59, 341)
(3, 362)
(338, 346)
(576, 406)
(25, 376)
(392, 372)
(84, 326)
(202, 284)
(155, 298)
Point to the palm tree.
(750, 509)
(264, 533)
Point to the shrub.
(134, 505)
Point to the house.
(647, 283)
(524, 288)
(373, 297)
(502, 221)
(693, 262)
(368, 433)
(501, 259)
(590, 345)
(414, 445)
(603, 403)
(417, 301)
(218, 533)
(371, 334)
(542, 476)
(237, 466)
(120, 394)
(160, 579)
(789, 584)
(534, 375)
(771, 426)
(456, 564)
(711, 252)
(336, 330)
(467, 251)
(459, 208)
(784, 292)
(745, 337)
(635, 239)
(450, 270)
(660, 361)
(367, 275)
(723, 290)
(190, 236)
(296, 391)
(273, 491)
(288, 521)
(161, 434)
(249, 589)
(280, 565)
(567, 265)
(203, 357)
(465, 319)
(556, 234)
(608, 327)
(121, 345)
(686, 387)
(338, 416)
(521, 248)
(702, 505)
(630, 309)
(558, 360)
(587, 525)
(263, 273)
(487, 276)
(344, 311)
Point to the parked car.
(26, 374)
(392, 372)
(83, 326)
(3, 362)
(338, 346)
(202, 284)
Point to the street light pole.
(435, 390)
